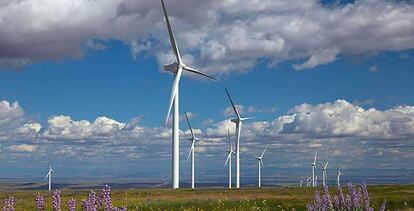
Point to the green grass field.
(284, 198)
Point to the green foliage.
(289, 198)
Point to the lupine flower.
(341, 198)
(9, 204)
(72, 204)
(56, 200)
(353, 193)
(106, 198)
(318, 201)
(382, 208)
(90, 203)
(310, 207)
(326, 199)
(40, 202)
(365, 197)
(336, 203)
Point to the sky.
(82, 84)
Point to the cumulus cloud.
(218, 36)
(229, 111)
(63, 127)
(22, 148)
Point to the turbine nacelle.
(174, 67)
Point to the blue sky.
(91, 92)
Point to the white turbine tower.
(176, 68)
(308, 182)
(228, 160)
(324, 173)
(238, 121)
(338, 175)
(49, 175)
(260, 162)
(193, 139)
(314, 170)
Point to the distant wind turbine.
(308, 182)
(228, 160)
(193, 139)
(338, 175)
(49, 175)
(314, 177)
(238, 121)
(260, 162)
(324, 173)
(176, 68)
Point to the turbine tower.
(314, 170)
(260, 162)
(338, 174)
(238, 121)
(228, 160)
(324, 173)
(49, 175)
(193, 139)
(308, 182)
(177, 69)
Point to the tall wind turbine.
(176, 68)
(228, 160)
(193, 139)
(324, 173)
(260, 162)
(49, 174)
(308, 182)
(314, 170)
(338, 174)
(238, 121)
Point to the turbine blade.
(189, 69)
(189, 125)
(228, 137)
(232, 104)
(171, 34)
(174, 91)
(314, 159)
(191, 149)
(228, 158)
(47, 175)
(247, 118)
(263, 152)
(261, 161)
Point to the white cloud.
(63, 127)
(373, 69)
(22, 148)
(229, 111)
(218, 36)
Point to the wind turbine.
(308, 182)
(260, 162)
(314, 170)
(338, 174)
(49, 174)
(238, 121)
(176, 68)
(228, 160)
(301, 183)
(193, 139)
(324, 173)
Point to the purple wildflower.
(354, 196)
(310, 207)
(336, 203)
(341, 198)
(9, 204)
(90, 204)
(106, 198)
(317, 201)
(365, 197)
(56, 200)
(382, 208)
(72, 204)
(40, 202)
(326, 199)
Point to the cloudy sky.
(81, 82)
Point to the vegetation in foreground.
(399, 197)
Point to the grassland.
(284, 198)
